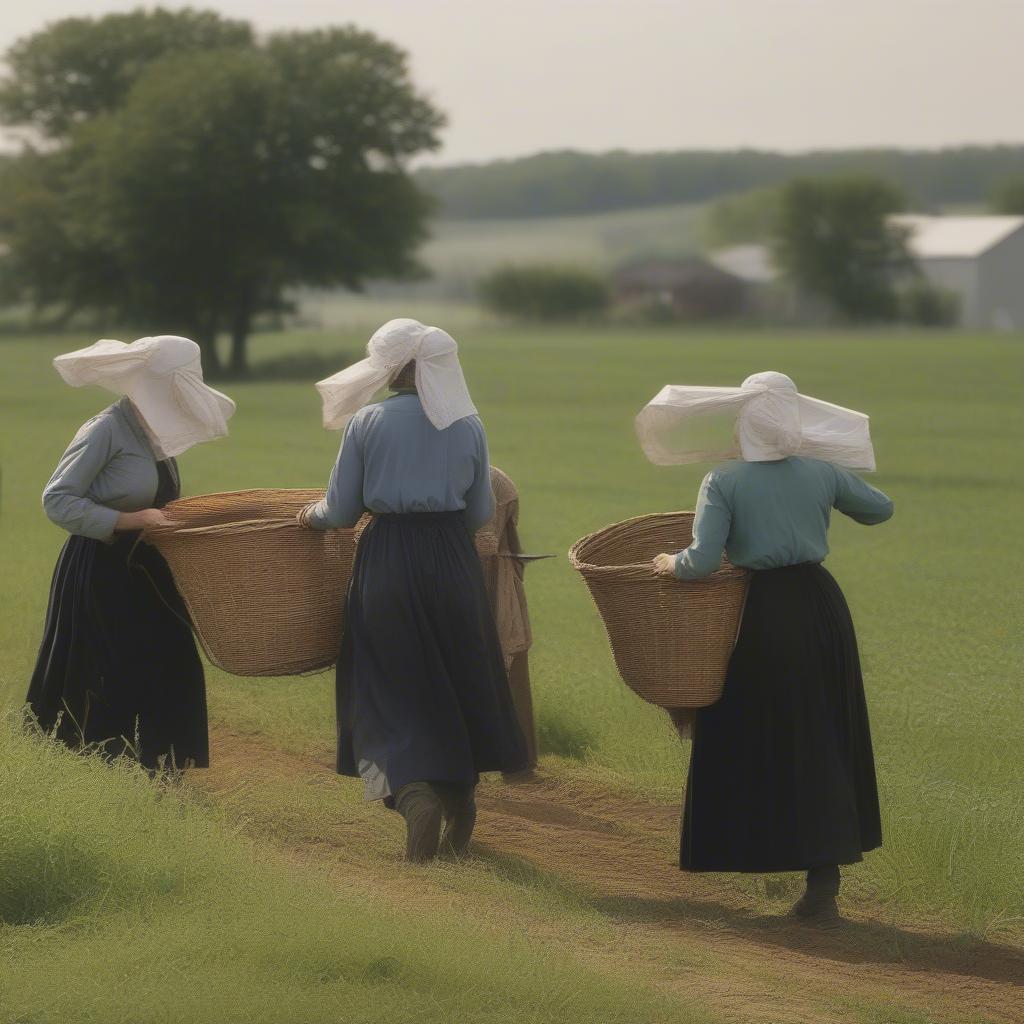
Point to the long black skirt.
(422, 693)
(782, 776)
(118, 667)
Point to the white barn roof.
(751, 263)
(955, 237)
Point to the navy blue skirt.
(118, 668)
(422, 692)
(782, 776)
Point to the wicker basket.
(266, 596)
(671, 639)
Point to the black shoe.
(460, 818)
(817, 908)
(421, 807)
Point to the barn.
(689, 287)
(979, 259)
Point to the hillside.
(560, 183)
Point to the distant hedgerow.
(539, 292)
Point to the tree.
(224, 177)
(1008, 197)
(834, 239)
(79, 68)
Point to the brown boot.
(421, 807)
(460, 817)
(818, 903)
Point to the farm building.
(978, 259)
(766, 295)
(690, 287)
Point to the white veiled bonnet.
(439, 379)
(763, 420)
(163, 377)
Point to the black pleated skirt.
(422, 693)
(118, 667)
(782, 776)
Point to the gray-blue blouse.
(393, 459)
(108, 468)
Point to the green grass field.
(935, 593)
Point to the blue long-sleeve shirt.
(393, 459)
(765, 515)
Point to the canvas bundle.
(671, 639)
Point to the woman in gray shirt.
(423, 702)
(118, 668)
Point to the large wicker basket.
(266, 597)
(671, 639)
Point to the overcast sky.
(517, 76)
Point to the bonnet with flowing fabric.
(163, 378)
(439, 380)
(763, 420)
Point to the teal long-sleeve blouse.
(765, 515)
(393, 459)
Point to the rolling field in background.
(936, 598)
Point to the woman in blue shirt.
(423, 702)
(782, 775)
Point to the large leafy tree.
(834, 238)
(81, 67)
(220, 177)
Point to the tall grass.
(123, 901)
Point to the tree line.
(565, 183)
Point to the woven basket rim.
(589, 568)
(246, 490)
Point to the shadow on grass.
(852, 942)
(521, 872)
(35, 896)
(559, 733)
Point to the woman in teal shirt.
(782, 775)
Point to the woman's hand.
(664, 565)
(302, 516)
(145, 519)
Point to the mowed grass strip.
(936, 593)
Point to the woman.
(782, 776)
(118, 667)
(423, 703)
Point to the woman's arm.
(710, 532)
(64, 498)
(859, 500)
(343, 503)
(480, 496)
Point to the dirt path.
(697, 936)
